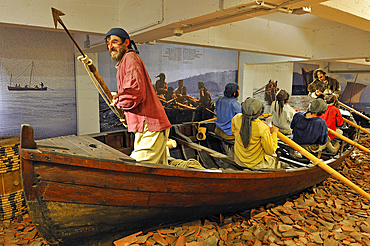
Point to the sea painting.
(37, 83)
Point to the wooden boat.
(86, 190)
(27, 87)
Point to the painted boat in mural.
(28, 87)
(86, 190)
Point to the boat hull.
(82, 192)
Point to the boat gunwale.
(160, 169)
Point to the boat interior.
(198, 141)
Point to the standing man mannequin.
(144, 112)
(323, 85)
(226, 108)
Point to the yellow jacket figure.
(254, 139)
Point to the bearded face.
(116, 47)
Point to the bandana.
(123, 35)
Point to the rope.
(191, 163)
(317, 163)
(86, 61)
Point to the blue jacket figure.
(226, 108)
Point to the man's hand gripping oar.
(92, 71)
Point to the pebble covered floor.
(328, 214)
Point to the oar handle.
(321, 164)
(265, 115)
(209, 120)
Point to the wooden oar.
(353, 110)
(105, 92)
(209, 120)
(265, 115)
(340, 136)
(355, 125)
(213, 119)
(321, 164)
(211, 111)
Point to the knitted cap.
(317, 105)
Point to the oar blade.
(56, 13)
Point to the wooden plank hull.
(82, 192)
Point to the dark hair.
(318, 70)
(282, 97)
(330, 99)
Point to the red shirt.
(137, 97)
(333, 118)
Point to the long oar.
(353, 110)
(321, 164)
(213, 119)
(340, 136)
(106, 94)
(355, 125)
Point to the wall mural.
(37, 83)
(214, 67)
(355, 92)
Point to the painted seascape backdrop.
(360, 94)
(52, 112)
(214, 67)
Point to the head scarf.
(123, 35)
(252, 108)
(230, 89)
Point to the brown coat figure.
(323, 85)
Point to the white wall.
(258, 75)
(247, 58)
(87, 99)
